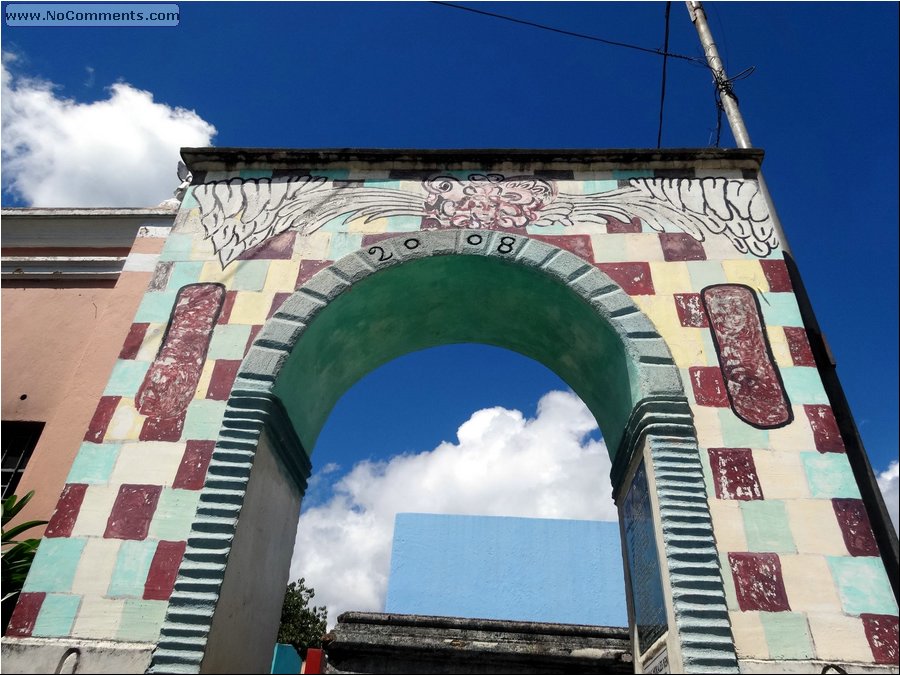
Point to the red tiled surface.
(708, 386)
(824, 428)
(776, 274)
(279, 247)
(734, 474)
(854, 522)
(308, 268)
(690, 310)
(25, 614)
(633, 277)
(227, 307)
(192, 470)
(132, 512)
(223, 375)
(106, 407)
(67, 508)
(164, 570)
(163, 428)
(758, 582)
(882, 633)
(579, 244)
(369, 239)
(616, 226)
(254, 331)
(798, 344)
(277, 300)
(681, 246)
(133, 340)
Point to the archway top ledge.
(652, 366)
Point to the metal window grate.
(18, 440)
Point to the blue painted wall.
(529, 569)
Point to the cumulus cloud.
(501, 464)
(121, 151)
(888, 482)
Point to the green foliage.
(17, 555)
(302, 625)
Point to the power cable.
(662, 94)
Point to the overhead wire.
(662, 93)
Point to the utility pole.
(879, 519)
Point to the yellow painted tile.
(796, 436)
(96, 566)
(282, 276)
(747, 272)
(126, 422)
(661, 311)
(728, 525)
(374, 226)
(670, 277)
(719, 247)
(779, 344)
(212, 272)
(709, 430)
(251, 308)
(313, 246)
(205, 377)
(781, 474)
(815, 527)
(839, 638)
(688, 348)
(644, 246)
(153, 463)
(202, 249)
(749, 635)
(809, 585)
(98, 618)
(152, 342)
(95, 510)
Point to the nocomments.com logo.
(90, 14)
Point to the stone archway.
(411, 292)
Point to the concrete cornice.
(82, 213)
(227, 159)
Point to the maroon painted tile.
(579, 244)
(854, 521)
(163, 428)
(751, 376)
(227, 306)
(776, 274)
(133, 341)
(308, 268)
(882, 632)
(106, 407)
(171, 380)
(633, 277)
(160, 278)
(277, 301)
(164, 570)
(254, 331)
(758, 582)
(734, 474)
(681, 246)
(690, 310)
(824, 427)
(132, 512)
(369, 239)
(223, 375)
(616, 226)
(279, 247)
(25, 614)
(708, 386)
(798, 344)
(194, 463)
(67, 508)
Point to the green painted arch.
(428, 289)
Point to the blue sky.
(822, 102)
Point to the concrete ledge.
(57, 655)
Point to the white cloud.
(121, 151)
(502, 464)
(888, 482)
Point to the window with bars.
(18, 440)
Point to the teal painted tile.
(554, 229)
(624, 175)
(141, 620)
(863, 585)
(204, 419)
(334, 174)
(256, 173)
(189, 201)
(803, 385)
(184, 273)
(93, 463)
(336, 224)
(709, 348)
(57, 615)
(250, 275)
(705, 273)
(228, 341)
(384, 184)
(156, 307)
(829, 475)
(126, 378)
(178, 247)
(132, 566)
(728, 582)
(766, 527)
(174, 514)
(344, 243)
(780, 309)
(404, 223)
(787, 635)
(609, 248)
(739, 434)
(590, 187)
(54, 565)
